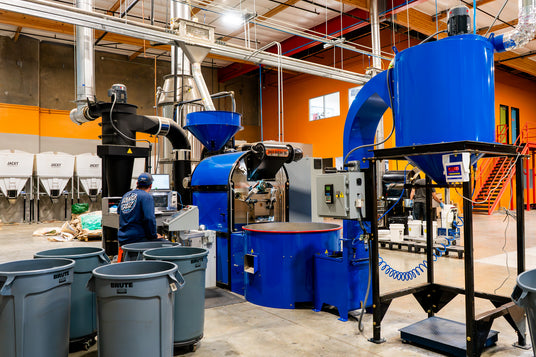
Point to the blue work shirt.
(137, 222)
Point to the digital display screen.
(160, 182)
(454, 170)
(160, 200)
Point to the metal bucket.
(279, 261)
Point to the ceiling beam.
(263, 17)
(17, 34)
(443, 14)
(136, 54)
(36, 23)
(114, 7)
(64, 13)
(296, 44)
(360, 4)
(196, 10)
(523, 64)
(498, 27)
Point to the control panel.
(456, 167)
(341, 195)
(184, 220)
(328, 194)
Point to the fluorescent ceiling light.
(232, 19)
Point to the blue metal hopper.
(213, 128)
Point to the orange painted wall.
(325, 134)
(19, 119)
(31, 120)
(517, 92)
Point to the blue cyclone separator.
(442, 91)
(213, 128)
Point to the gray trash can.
(135, 308)
(524, 295)
(35, 298)
(83, 327)
(134, 251)
(190, 300)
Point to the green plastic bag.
(91, 221)
(79, 208)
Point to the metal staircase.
(495, 184)
(494, 177)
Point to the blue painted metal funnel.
(213, 128)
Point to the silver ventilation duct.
(524, 31)
(85, 66)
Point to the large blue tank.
(279, 261)
(444, 91)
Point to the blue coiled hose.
(415, 272)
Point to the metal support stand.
(433, 297)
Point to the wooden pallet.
(88, 238)
(417, 247)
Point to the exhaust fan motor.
(120, 92)
(459, 21)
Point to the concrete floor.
(249, 330)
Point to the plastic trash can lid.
(527, 280)
(71, 252)
(141, 269)
(35, 266)
(176, 252)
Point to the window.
(352, 93)
(326, 106)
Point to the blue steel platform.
(442, 335)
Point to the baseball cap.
(145, 179)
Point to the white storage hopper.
(54, 169)
(15, 169)
(88, 168)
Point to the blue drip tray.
(442, 335)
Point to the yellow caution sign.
(251, 251)
(129, 151)
(326, 252)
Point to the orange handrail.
(501, 137)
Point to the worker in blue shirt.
(137, 222)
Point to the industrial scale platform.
(442, 335)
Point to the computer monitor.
(160, 182)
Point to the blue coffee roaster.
(219, 183)
(279, 261)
